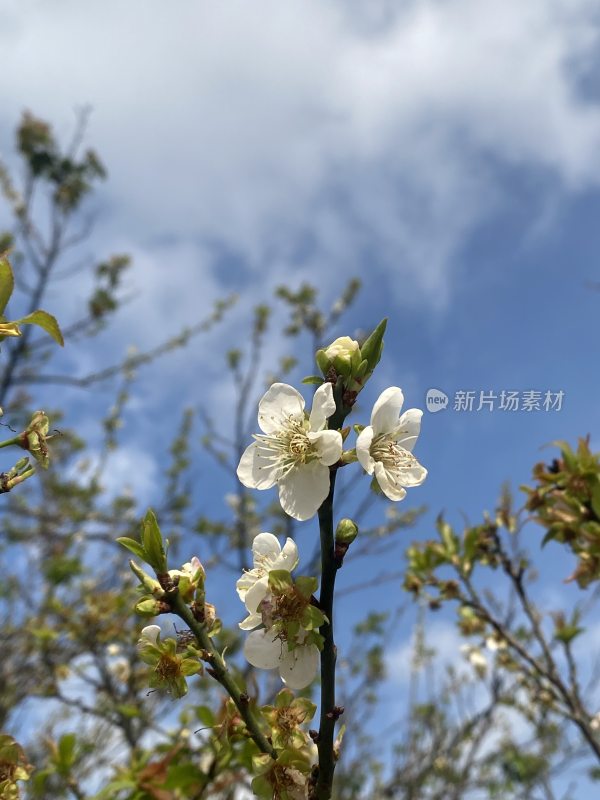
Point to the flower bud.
(346, 532)
(150, 607)
(344, 355)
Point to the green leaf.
(206, 716)
(317, 380)
(566, 633)
(66, 751)
(135, 547)
(128, 711)
(46, 321)
(7, 282)
(448, 537)
(153, 543)
(372, 348)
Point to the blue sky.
(446, 152)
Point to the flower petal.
(256, 594)
(363, 449)
(289, 556)
(265, 547)
(411, 476)
(247, 580)
(252, 621)
(328, 445)
(256, 470)
(303, 490)
(322, 408)
(384, 417)
(262, 650)
(150, 634)
(299, 667)
(409, 427)
(279, 402)
(388, 483)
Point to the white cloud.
(305, 134)
(442, 637)
(127, 470)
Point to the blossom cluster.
(295, 450)
(288, 637)
(288, 628)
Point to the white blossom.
(293, 452)
(297, 667)
(252, 587)
(384, 448)
(188, 569)
(268, 648)
(343, 347)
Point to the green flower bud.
(346, 532)
(149, 607)
(344, 355)
(322, 361)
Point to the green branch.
(222, 674)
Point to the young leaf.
(7, 282)
(153, 543)
(45, 321)
(131, 544)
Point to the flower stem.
(16, 441)
(329, 712)
(222, 674)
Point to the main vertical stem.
(328, 655)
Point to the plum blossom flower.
(188, 570)
(267, 554)
(298, 667)
(189, 578)
(384, 448)
(289, 621)
(169, 667)
(293, 451)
